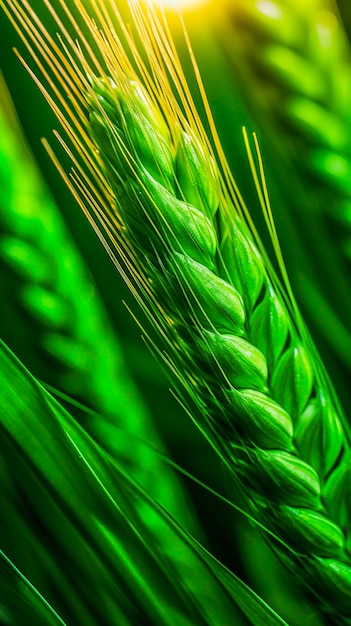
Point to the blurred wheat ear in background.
(97, 505)
(295, 58)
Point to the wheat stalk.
(264, 398)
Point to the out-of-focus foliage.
(84, 542)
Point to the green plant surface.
(22, 602)
(345, 13)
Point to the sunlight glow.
(178, 4)
(269, 9)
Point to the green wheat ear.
(254, 404)
(266, 402)
(223, 308)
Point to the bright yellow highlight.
(178, 4)
(268, 8)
